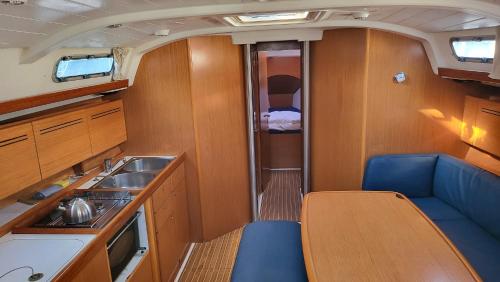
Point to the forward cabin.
(246, 141)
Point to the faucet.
(108, 165)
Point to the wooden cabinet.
(62, 141)
(481, 126)
(96, 270)
(106, 126)
(18, 159)
(143, 271)
(171, 221)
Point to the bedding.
(284, 120)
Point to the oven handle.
(123, 230)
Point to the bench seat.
(461, 199)
(270, 251)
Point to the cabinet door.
(165, 239)
(106, 126)
(96, 270)
(181, 220)
(488, 125)
(18, 159)
(62, 141)
(143, 271)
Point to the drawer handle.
(106, 113)
(490, 111)
(60, 126)
(14, 140)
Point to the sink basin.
(129, 180)
(153, 165)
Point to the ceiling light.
(273, 18)
(162, 32)
(13, 2)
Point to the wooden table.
(375, 236)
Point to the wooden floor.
(213, 260)
(282, 199)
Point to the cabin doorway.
(277, 103)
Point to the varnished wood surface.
(106, 124)
(62, 141)
(19, 166)
(357, 111)
(285, 150)
(483, 160)
(375, 236)
(96, 269)
(337, 96)
(481, 124)
(34, 101)
(159, 116)
(218, 98)
(466, 75)
(153, 246)
(143, 271)
(282, 197)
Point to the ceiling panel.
(444, 23)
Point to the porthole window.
(70, 68)
(473, 49)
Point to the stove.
(107, 203)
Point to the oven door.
(124, 246)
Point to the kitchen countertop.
(50, 254)
(45, 253)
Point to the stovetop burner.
(107, 203)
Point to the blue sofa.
(461, 199)
(270, 251)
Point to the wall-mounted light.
(162, 32)
(399, 77)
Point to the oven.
(127, 247)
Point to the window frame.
(80, 77)
(471, 38)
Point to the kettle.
(78, 210)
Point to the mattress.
(284, 120)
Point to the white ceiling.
(40, 20)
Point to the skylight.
(273, 18)
(479, 49)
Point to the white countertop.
(45, 253)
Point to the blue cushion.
(480, 248)
(411, 175)
(436, 209)
(471, 190)
(270, 251)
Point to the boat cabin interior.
(249, 140)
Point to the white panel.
(13, 39)
(481, 23)
(28, 24)
(402, 15)
(426, 16)
(32, 11)
(452, 20)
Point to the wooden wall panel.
(421, 115)
(217, 87)
(337, 91)
(159, 115)
(283, 65)
(357, 111)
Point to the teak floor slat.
(281, 200)
(213, 260)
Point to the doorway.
(276, 75)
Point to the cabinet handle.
(60, 126)
(490, 111)
(14, 140)
(105, 113)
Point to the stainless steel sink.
(149, 164)
(129, 180)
